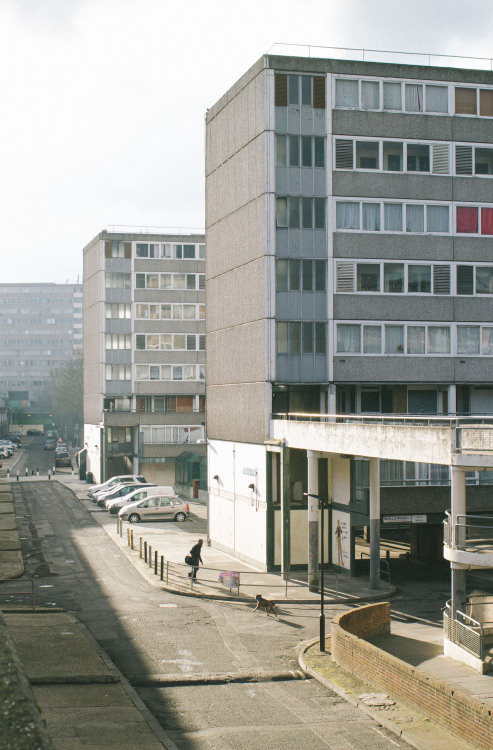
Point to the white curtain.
(348, 338)
(436, 99)
(347, 215)
(394, 339)
(371, 217)
(415, 218)
(391, 472)
(393, 217)
(437, 218)
(392, 98)
(370, 95)
(414, 97)
(372, 339)
(415, 339)
(347, 93)
(487, 340)
(467, 339)
(438, 340)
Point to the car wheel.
(134, 518)
(180, 517)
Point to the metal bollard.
(128, 537)
(145, 551)
(140, 550)
(32, 472)
(17, 476)
(26, 472)
(155, 563)
(121, 526)
(8, 473)
(167, 571)
(150, 556)
(49, 477)
(54, 470)
(132, 539)
(162, 567)
(37, 472)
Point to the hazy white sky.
(103, 102)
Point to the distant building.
(144, 357)
(40, 328)
(349, 230)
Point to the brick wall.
(462, 714)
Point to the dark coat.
(195, 554)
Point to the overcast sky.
(102, 103)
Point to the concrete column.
(452, 399)
(313, 522)
(458, 508)
(374, 523)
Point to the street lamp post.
(321, 505)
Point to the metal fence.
(464, 631)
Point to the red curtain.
(467, 220)
(487, 221)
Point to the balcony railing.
(464, 631)
(472, 533)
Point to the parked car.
(113, 504)
(49, 445)
(5, 451)
(62, 458)
(60, 447)
(9, 444)
(155, 508)
(119, 479)
(119, 490)
(13, 437)
(33, 432)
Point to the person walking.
(195, 554)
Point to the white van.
(113, 505)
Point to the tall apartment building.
(40, 328)
(349, 271)
(144, 356)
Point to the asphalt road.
(176, 651)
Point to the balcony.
(469, 541)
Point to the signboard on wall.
(341, 539)
(413, 518)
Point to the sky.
(102, 103)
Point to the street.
(178, 651)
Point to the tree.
(66, 394)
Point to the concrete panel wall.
(238, 412)
(396, 369)
(395, 307)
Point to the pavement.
(78, 688)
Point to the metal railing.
(220, 581)
(384, 565)
(469, 532)
(464, 631)
(368, 55)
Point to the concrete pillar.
(374, 523)
(458, 508)
(452, 399)
(313, 522)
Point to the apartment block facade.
(349, 271)
(40, 329)
(144, 355)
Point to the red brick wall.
(462, 714)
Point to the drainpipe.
(374, 523)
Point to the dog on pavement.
(265, 604)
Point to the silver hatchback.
(155, 508)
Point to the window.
(394, 339)
(468, 339)
(416, 339)
(370, 95)
(347, 215)
(393, 156)
(392, 96)
(371, 217)
(414, 97)
(348, 338)
(296, 213)
(372, 339)
(465, 279)
(484, 279)
(347, 92)
(486, 102)
(299, 89)
(438, 340)
(419, 279)
(393, 217)
(468, 222)
(415, 218)
(436, 98)
(368, 277)
(418, 158)
(465, 101)
(117, 249)
(437, 218)
(393, 278)
(367, 155)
